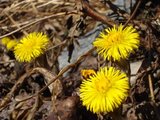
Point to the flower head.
(117, 42)
(5, 40)
(104, 91)
(11, 44)
(30, 47)
(87, 73)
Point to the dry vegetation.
(42, 90)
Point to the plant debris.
(47, 88)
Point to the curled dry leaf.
(56, 87)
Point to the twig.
(88, 10)
(15, 23)
(134, 12)
(19, 24)
(55, 46)
(65, 69)
(38, 20)
(151, 88)
(153, 98)
(35, 108)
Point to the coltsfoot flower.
(104, 91)
(31, 47)
(5, 40)
(11, 44)
(117, 43)
(86, 73)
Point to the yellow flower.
(87, 73)
(104, 91)
(5, 40)
(30, 47)
(117, 42)
(11, 44)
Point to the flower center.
(31, 45)
(102, 86)
(115, 38)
